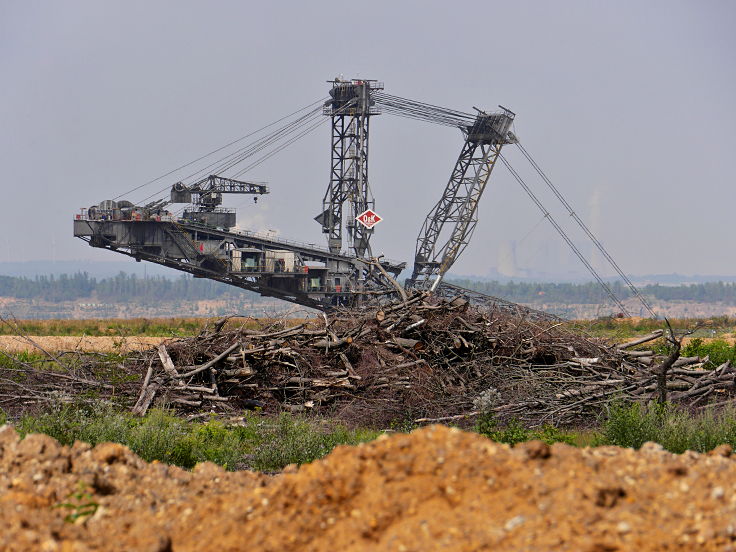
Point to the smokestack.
(507, 259)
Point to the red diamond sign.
(368, 219)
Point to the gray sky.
(628, 106)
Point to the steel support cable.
(321, 100)
(280, 148)
(431, 115)
(587, 231)
(283, 133)
(426, 116)
(235, 157)
(434, 120)
(292, 140)
(564, 235)
(423, 111)
(347, 106)
(162, 190)
(389, 97)
(266, 144)
(255, 144)
(252, 149)
(277, 135)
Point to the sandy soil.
(15, 344)
(435, 489)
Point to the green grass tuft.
(289, 440)
(676, 429)
(514, 432)
(258, 443)
(718, 350)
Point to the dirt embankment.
(434, 489)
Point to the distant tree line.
(121, 288)
(131, 288)
(592, 293)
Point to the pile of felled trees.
(421, 359)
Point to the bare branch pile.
(419, 360)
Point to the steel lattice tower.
(350, 107)
(458, 206)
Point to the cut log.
(212, 362)
(146, 398)
(656, 334)
(166, 362)
(686, 361)
(406, 343)
(639, 353)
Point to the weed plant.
(619, 329)
(514, 432)
(718, 350)
(270, 443)
(290, 440)
(676, 429)
(257, 443)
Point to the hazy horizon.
(111, 267)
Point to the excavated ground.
(436, 488)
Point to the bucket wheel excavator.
(200, 237)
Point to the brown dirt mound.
(436, 488)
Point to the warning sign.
(368, 218)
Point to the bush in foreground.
(257, 443)
(514, 432)
(270, 443)
(676, 429)
(718, 351)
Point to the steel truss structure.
(350, 108)
(457, 210)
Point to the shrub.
(718, 350)
(514, 431)
(292, 440)
(676, 429)
(260, 443)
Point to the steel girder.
(348, 183)
(459, 206)
(350, 110)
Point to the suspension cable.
(564, 236)
(413, 109)
(290, 131)
(281, 147)
(307, 125)
(587, 231)
(222, 165)
(285, 145)
(237, 140)
(243, 152)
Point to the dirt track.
(434, 489)
(93, 344)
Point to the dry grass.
(619, 329)
(121, 327)
(88, 344)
